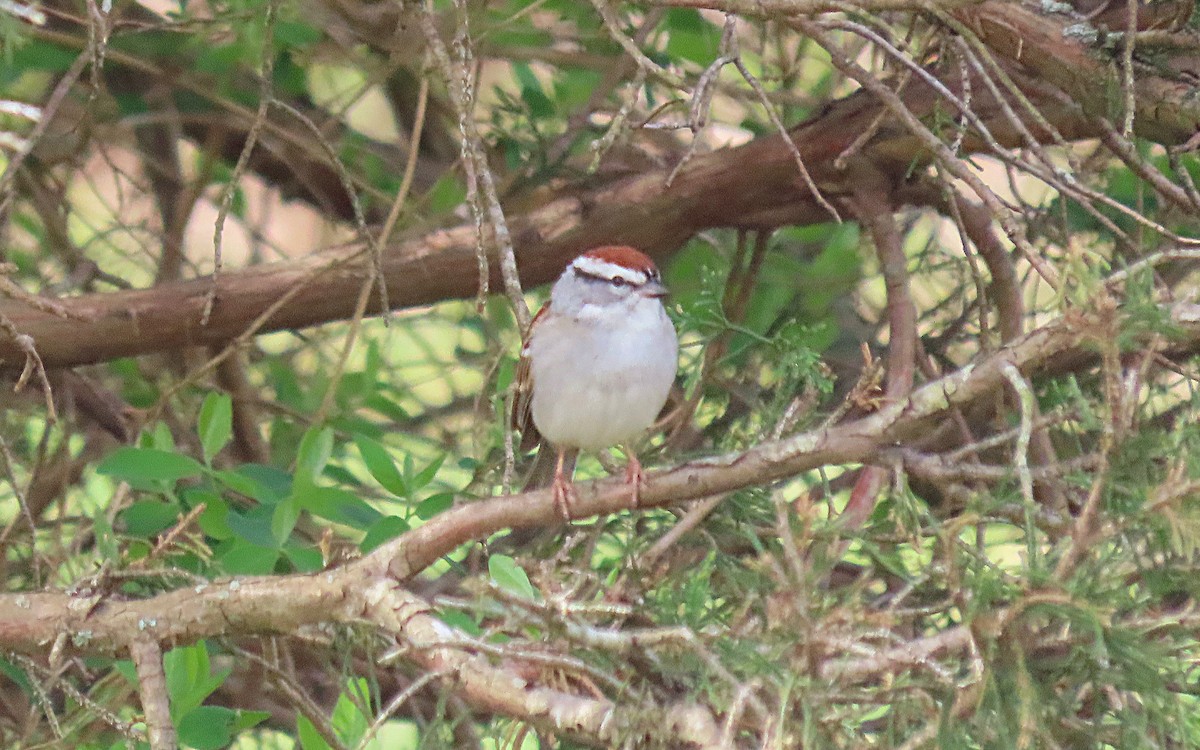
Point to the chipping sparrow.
(598, 362)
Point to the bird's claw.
(635, 479)
(565, 497)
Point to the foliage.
(1019, 571)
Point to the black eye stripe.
(617, 281)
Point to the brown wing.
(522, 416)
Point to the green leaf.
(532, 92)
(447, 193)
(130, 104)
(254, 525)
(386, 528)
(387, 407)
(39, 55)
(243, 558)
(315, 449)
(691, 37)
(289, 78)
(427, 474)
(510, 576)
(379, 462)
(189, 677)
(249, 719)
(16, 675)
(506, 373)
(146, 518)
(456, 618)
(434, 504)
(161, 438)
(310, 738)
(339, 506)
(214, 520)
(266, 484)
(219, 59)
(215, 424)
(140, 465)
(304, 558)
(283, 520)
(296, 34)
(208, 728)
(287, 385)
(347, 718)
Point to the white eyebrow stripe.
(606, 270)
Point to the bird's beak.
(654, 290)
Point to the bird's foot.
(565, 497)
(635, 480)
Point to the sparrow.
(597, 364)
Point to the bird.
(597, 364)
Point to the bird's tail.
(541, 473)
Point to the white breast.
(597, 385)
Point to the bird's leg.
(633, 477)
(564, 489)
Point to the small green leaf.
(283, 520)
(447, 193)
(243, 558)
(215, 424)
(207, 728)
(254, 525)
(427, 474)
(265, 484)
(315, 449)
(305, 559)
(310, 738)
(387, 407)
(136, 465)
(456, 618)
(386, 528)
(161, 438)
(214, 521)
(379, 462)
(339, 506)
(249, 719)
(18, 676)
(434, 504)
(296, 34)
(506, 373)
(219, 59)
(347, 717)
(532, 92)
(39, 55)
(190, 679)
(146, 518)
(510, 576)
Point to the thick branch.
(755, 185)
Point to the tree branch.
(714, 190)
(281, 604)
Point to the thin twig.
(395, 705)
(788, 141)
(265, 95)
(458, 80)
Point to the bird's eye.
(618, 282)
